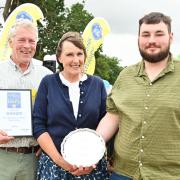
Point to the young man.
(18, 160)
(144, 107)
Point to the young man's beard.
(154, 58)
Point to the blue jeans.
(115, 176)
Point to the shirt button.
(144, 122)
(82, 92)
(140, 164)
(141, 150)
(80, 82)
(81, 102)
(148, 95)
(142, 137)
(79, 115)
(146, 107)
(150, 84)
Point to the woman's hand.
(83, 170)
(73, 169)
(65, 165)
(46, 143)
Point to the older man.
(18, 160)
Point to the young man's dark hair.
(155, 18)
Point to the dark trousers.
(115, 176)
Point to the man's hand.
(38, 152)
(4, 138)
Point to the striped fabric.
(147, 145)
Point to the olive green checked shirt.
(147, 145)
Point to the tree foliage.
(59, 20)
(107, 67)
(77, 18)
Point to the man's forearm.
(108, 126)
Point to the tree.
(107, 67)
(10, 5)
(58, 22)
(77, 18)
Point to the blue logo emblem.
(24, 15)
(13, 100)
(97, 31)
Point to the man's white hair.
(22, 23)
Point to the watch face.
(83, 147)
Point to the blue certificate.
(16, 112)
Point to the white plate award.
(83, 147)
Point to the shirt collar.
(16, 67)
(169, 67)
(67, 83)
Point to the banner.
(24, 11)
(93, 37)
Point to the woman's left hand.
(83, 170)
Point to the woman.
(65, 101)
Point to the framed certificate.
(83, 147)
(16, 112)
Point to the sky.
(123, 17)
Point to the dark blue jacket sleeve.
(40, 110)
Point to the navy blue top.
(53, 111)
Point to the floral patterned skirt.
(48, 170)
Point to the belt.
(23, 150)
